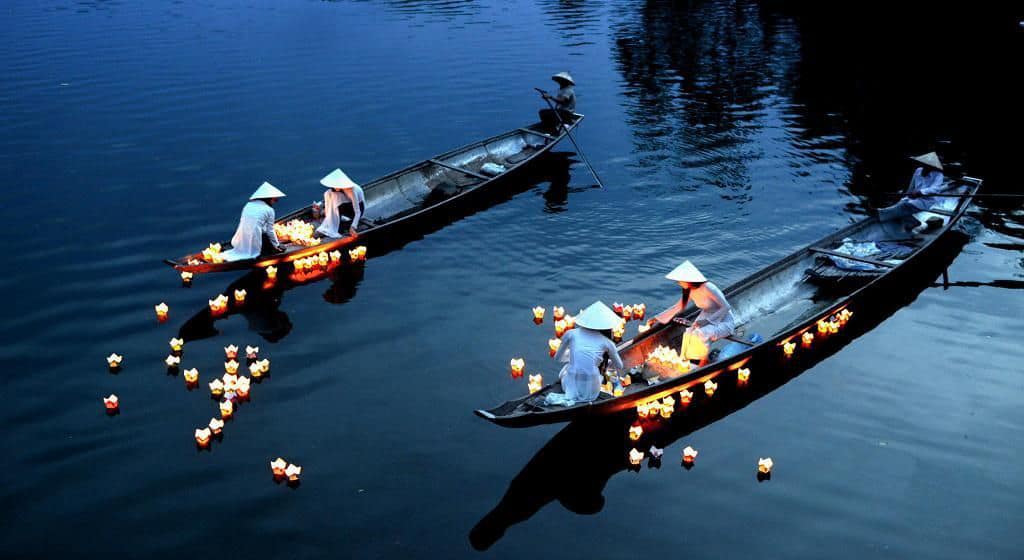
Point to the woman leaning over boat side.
(343, 197)
(715, 319)
(255, 234)
(586, 347)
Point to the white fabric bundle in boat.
(492, 169)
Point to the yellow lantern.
(627, 312)
(743, 375)
(240, 296)
(538, 314)
(558, 313)
(278, 466)
(112, 402)
(844, 316)
(654, 408)
(689, 454)
(335, 256)
(710, 387)
(227, 408)
(264, 365)
(643, 410)
(535, 383)
(191, 376)
(271, 272)
(635, 457)
(788, 348)
(176, 344)
(172, 361)
(517, 365)
(822, 327)
(617, 391)
(553, 345)
(639, 310)
(255, 371)
(161, 311)
(242, 387)
(618, 331)
(833, 326)
(202, 437)
(186, 278)
(807, 338)
(694, 348)
(293, 472)
(216, 388)
(765, 464)
(668, 406)
(114, 361)
(322, 258)
(358, 254)
(685, 396)
(560, 327)
(635, 431)
(231, 367)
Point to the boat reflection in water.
(576, 464)
(263, 299)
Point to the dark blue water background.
(729, 133)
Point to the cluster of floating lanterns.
(299, 232)
(358, 254)
(282, 469)
(667, 362)
(212, 254)
(630, 312)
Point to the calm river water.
(730, 133)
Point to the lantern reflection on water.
(689, 454)
(278, 466)
(161, 311)
(635, 456)
(710, 387)
(114, 361)
(635, 431)
(202, 436)
(535, 383)
(517, 365)
(111, 402)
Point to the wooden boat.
(806, 292)
(404, 198)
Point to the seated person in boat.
(255, 235)
(343, 198)
(588, 347)
(927, 180)
(564, 100)
(715, 319)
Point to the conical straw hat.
(598, 317)
(337, 180)
(686, 272)
(931, 159)
(564, 76)
(267, 190)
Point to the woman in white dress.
(585, 348)
(255, 234)
(343, 197)
(715, 319)
(926, 181)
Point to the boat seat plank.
(459, 169)
(538, 133)
(939, 211)
(851, 257)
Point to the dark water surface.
(729, 133)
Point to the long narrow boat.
(795, 304)
(405, 198)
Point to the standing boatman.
(564, 100)
(255, 234)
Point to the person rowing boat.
(343, 197)
(255, 234)
(587, 348)
(926, 182)
(565, 103)
(715, 319)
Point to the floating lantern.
(635, 431)
(788, 348)
(271, 272)
(822, 327)
(535, 383)
(635, 456)
(186, 278)
(230, 352)
(627, 312)
(668, 406)
(264, 365)
(618, 332)
(212, 253)
(335, 256)
(242, 387)
(278, 466)
(807, 338)
(689, 454)
(240, 296)
(642, 328)
(322, 258)
(161, 311)
(293, 472)
(558, 313)
(710, 387)
(191, 376)
(216, 387)
(172, 361)
(255, 371)
(743, 375)
(216, 425)
(231, 367)
(227, 408)
(639, 310)
(656, 453)
(570, 322)
(252, 352)
(764, 465)
(617, 308)
(203, 437)
(553, 345)
(844, 316)
(219, 304)
(667, 362)
(538, 314)
(111, 403)
(176, 344)
(358, 254)
(833, 326)
(517, 365)
(560, 328)
(685, 396)
(654, 408)
(114, 361)
(229, 378)
(643, 410)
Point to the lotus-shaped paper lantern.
(216, 387)
(833, 326)
(335, 256)
(516, 365)
(191, 376)
(643, 410)
(635, 431)
(535, 383)
(617, 308)
(176, 344)
(264, 365)
(161, 311)
(627, 312)
(231, 366)
(844, 316)
(807, 338)
(293, 472)
(202, 437)
(358, 254)
(635, 456)
(186, 278)
(111, 402)
(788, 348)
(570, 322)
(765, 464)
(558, 313)
(271, 272)
(656, 452)
(743, 375)
(689, 454)
(230, 352)
(240, 296)
(227, 408)
(822, 327)
(618, 332)
(278, 466)
(172, 361)
(114, 361)
(685, 396)
(642, 328)
(252, 352)
(710, 387)
(560, 328)
(216, 425)
(668, 406)
(538, 314)
(553, 345)
(639, 310)
(242, 387)
(255, 370)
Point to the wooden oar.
(569, 134)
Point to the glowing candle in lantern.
(335, 256)
(517, 365)
(807, 338)
(293, 472)
(643, 410)
(176, 344)
(765, 464)
(639, 310)
(822, 327)
(833, 327)
(216, 425)
(617, 391)
(322, 258)
(844, 316)
(161, 311)
(216, 387)
(271, 272)
(635, 431)
(553, 345)
(558, 313)
(240, 296)
(242, 387)
(538, 314)
(689, 454)
(788, 348)
(172, 361)
(560, 328)
(231, 366)
(654, 407)
(191, 376)
(627, 312)
(227, 408)
(264, 365)
(252, 352)
(278, 466)
(668, 406)
(186, 278)
(114, 361)
(111, 403)
(685, 396)
(618, 331)
(635, 457)
(255, 371)
(535, 383)
(710, 387)
(743, 375)
(202, 437)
